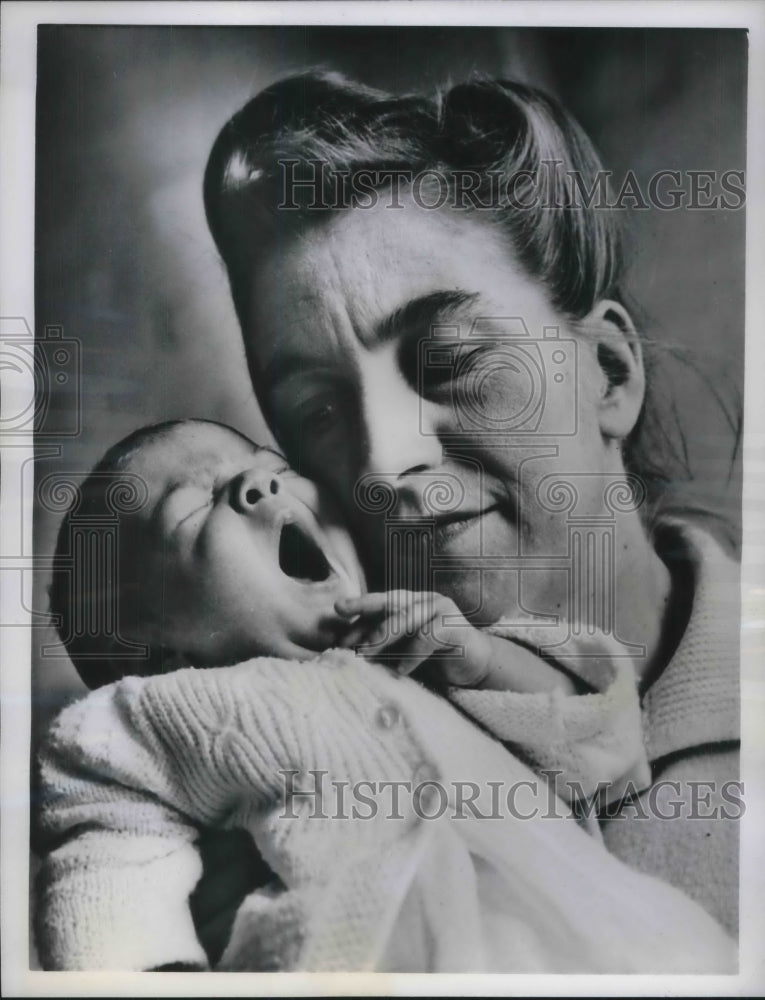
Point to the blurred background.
(124, 264)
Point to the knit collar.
(695, 700)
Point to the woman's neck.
(648, 600)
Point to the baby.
(234, 562)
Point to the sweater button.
(425, 773)
(429, 796)
(388, 717)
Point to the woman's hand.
(404, 629)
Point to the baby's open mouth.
(300, 557)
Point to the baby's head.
(233, 555)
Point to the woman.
(432, 313)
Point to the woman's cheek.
(305, 491)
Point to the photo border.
(17, 120)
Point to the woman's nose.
(400, 426)
(249, 488)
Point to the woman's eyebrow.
(420, 315)
(282, 368)
(417, 315)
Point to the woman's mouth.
(300, 556)
(450, 527)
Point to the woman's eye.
(448, 366)
(321, 417)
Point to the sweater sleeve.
(590, 744)
(128, 778)
(118, 862)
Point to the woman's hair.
(99, 587)
(321, 125)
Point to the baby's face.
(236, 561)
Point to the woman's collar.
(694, 701)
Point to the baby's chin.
(306, 645)
(316, 625)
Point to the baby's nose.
(251, 487)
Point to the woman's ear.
(620, 359)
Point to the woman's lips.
(451, 527)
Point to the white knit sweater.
(133, 772)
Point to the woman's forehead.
(349, 279)
(369, 257)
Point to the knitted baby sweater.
(133, 772)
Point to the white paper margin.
(18, 23)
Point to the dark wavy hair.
(487, 126)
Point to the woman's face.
(406, 347)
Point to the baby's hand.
(406, 628)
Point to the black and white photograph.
(372, 528)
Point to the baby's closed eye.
(180, 508)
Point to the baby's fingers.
(366, 604)
(395, 629)
(386, 602)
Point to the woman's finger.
(365, 604)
